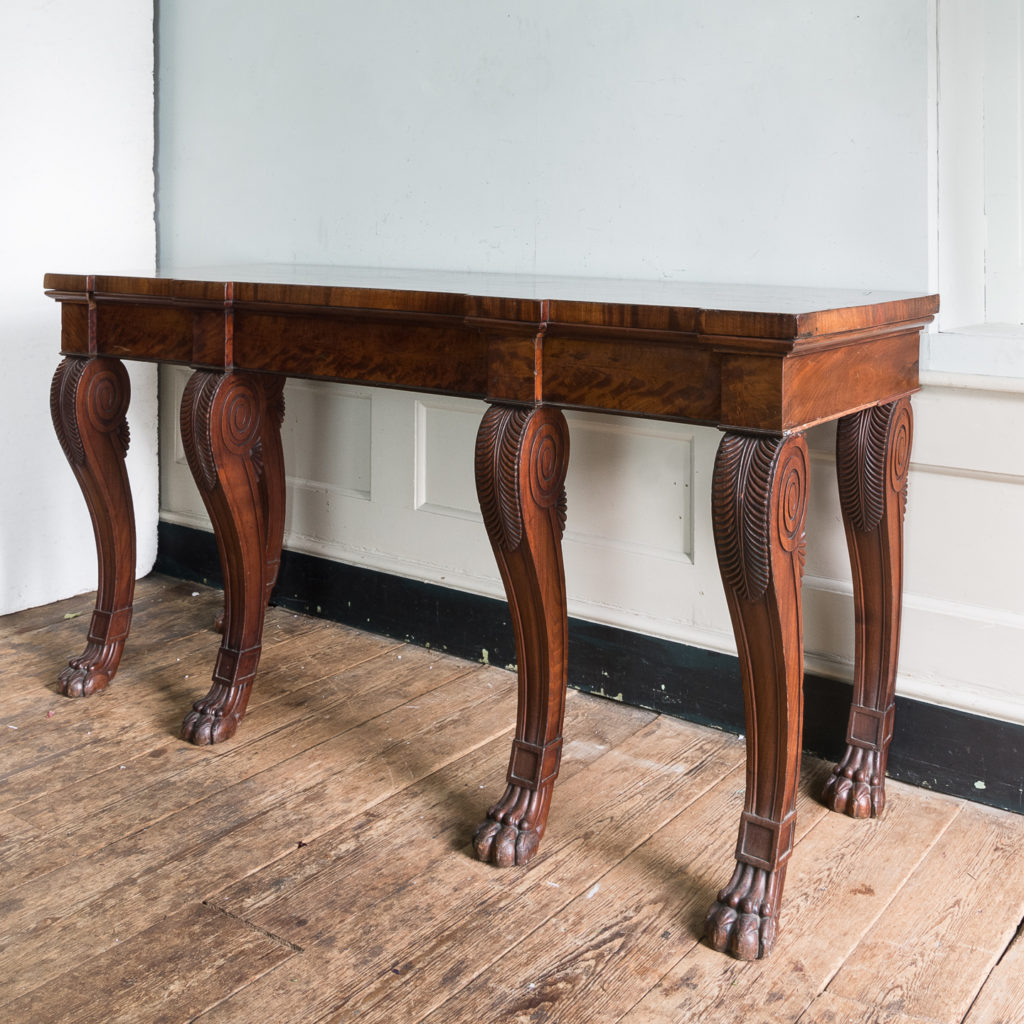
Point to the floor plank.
(183, 775)
(608, 947)
(948, 926)
(841, 879)
(1001, 999)
(166, 973)
(233, 831)
(830, 1009)
(317, 867)
(456, 915)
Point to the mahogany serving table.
(761, 364)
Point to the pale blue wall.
(742, 140)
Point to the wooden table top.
(707, 308)
(754, 357)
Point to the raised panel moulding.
(955, 653)
(316, 411)
(629, 486)
(445, 437)
(180, 376)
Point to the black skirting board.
(948, 751)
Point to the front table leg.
(521, 459)
(759, 499)
(872, 462)
(229, 429)
(88, 401)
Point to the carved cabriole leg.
(272, 482)
(521, 459)
(228, 433)
(759, 499)
(88, 401)
(872, 462)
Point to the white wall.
(735, 141)
(76, 195)
(738, 141)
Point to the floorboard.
(317, 867)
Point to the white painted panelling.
(327, 443)
(964, 618)
(952, 652)
(970, 512)
(332, 452)
(1004, 161)
(631, 484)
(445, 437)
(961, 162)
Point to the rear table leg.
(521, 459)
(872, 462)
(272, 484)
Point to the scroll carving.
(497, 473)
(744, 474)
(105, 404)
(63, 392)
(273, 389)
(237, 423)
(873, 455)
(196, 402)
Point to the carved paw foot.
(514, 826)
(857, 785)
(218, 622)
(91, 671)
(215, 718)
(745, 919)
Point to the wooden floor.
(317, 867)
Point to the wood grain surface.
(318, 865)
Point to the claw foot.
(857, 785)
(91, 671)
(745, 919)
(215, 718)
(514, 827)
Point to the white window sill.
(987, 357)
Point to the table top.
(751, 357)
(707, 308)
